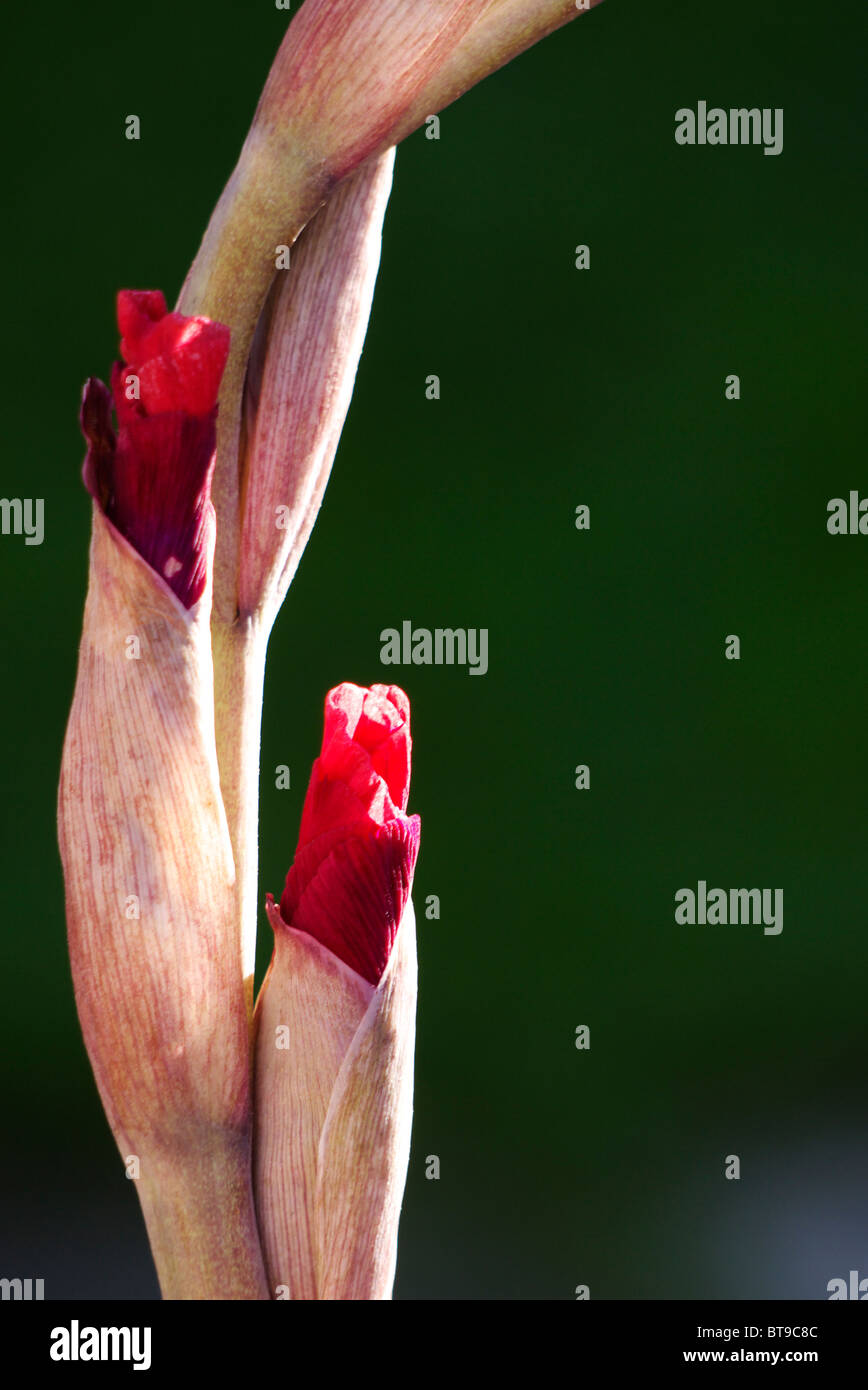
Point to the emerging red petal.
(179, 361)
(357, 850)
(363, 771)
(154, 481)
(137, 310)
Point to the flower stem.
(239, 674)
(199, 1212)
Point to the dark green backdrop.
(559, 387)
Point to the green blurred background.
(559, 387)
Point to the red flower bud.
(353, 868)
(153, 480)
(335, 1019)
(155, 938)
